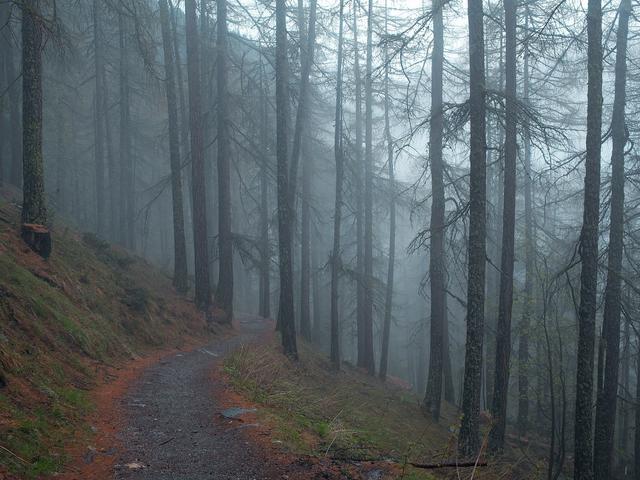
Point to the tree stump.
(38, 237)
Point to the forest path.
(170, 416)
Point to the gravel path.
(171, 432)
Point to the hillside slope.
(352, 419)
(62, 322)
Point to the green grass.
(345, 415)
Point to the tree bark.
(359, 174)
(34, 209)
(336, 262)
(301, 119)
(529, 253)
(505, 307)
(437, 261)
(126, 167)
(199, 202)
(100, 192)
(388, 304)
(265, 247)
(307, 53)
(224, 292)
(583, 459)
(286, 318)
(180, 280)
(607, 392)
(369, 361)
(469, 438)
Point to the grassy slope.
(61, 320)
(352, 416)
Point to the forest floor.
(176, 416)
(357, 421)
(105, 372)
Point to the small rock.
(374, 475)
(134, 466)
(235, 412)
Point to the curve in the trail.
(170, 432)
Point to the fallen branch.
(449, 464)
(13, 454)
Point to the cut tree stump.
(38, 237)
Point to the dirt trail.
(170, 416)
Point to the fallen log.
(38, 237)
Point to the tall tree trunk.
(184, 113)
(265, 247)
(316, 278)
(112, 165)
(607, 393)
(101, 216)
(305, 249)
(34, 209)
(505, 307)
(336, 262)
(224, 292)
(126, 170)
(469, 439)
(437, 262)
(583, 459)
(199, 202)
(307, 53)
(388, 304)
(529, 253)
(180, 280)
(359, 177)
(623, 430)
(286, 318)
(301, 119)
(369, 362)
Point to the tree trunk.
(112, 166)
(505, 307)
(265, 247)
(608, 391)
(369, 361)
(529, 253)
(307, 53)
(126, 170)
(286, 318)
(623, 430)
(199, 202)
(437, 262)
(101, 217)
(359, 174)
(469, 439)
(301, 119)
(388, 305)
(224, 292)
(336, 262)
(180, 280)
(34, 209)
(583, 459)
(184, 115)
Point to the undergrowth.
(351, 416)
(342, 415)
